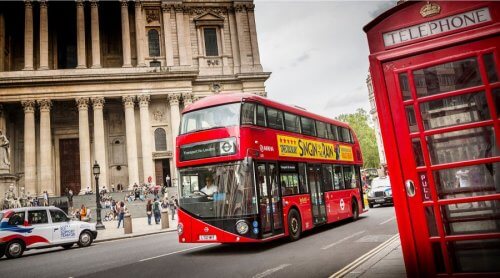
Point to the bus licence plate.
(208, 237)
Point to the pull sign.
(410, 188)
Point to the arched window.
(154, 43)
(160, 139)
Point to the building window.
(154, 43)
(210, 36)
(160, 139)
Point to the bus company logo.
(430, 9)
(266, 148)
(303, 200)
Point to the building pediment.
(209, 19)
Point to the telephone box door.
(445, 108)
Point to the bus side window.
(261, 115)
(340, 135)
(351, 137)
(327, 178)
(348, 176)
(275, 118)
(302, 179)
(338, 178)
(248, 114)
(334, 133)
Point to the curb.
(132, 236)
(359, 261)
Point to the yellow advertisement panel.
(304, 148)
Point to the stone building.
(105, 81)
(374, 115)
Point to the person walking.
(121, 213)
(149, 211)
(171, 204)
(156, 211)
(70, 199)
(46, 198)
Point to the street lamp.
(97, 170)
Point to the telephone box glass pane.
(431, 221)
(489, 63)
(471, 218)
(462, 145)
(455, 110)
(480, 255)
(410, 117)
(477, 180)
(447, 77)
(496, 98)
(417, 151)
(405, 86)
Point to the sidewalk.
(386, 260)
(140, 227)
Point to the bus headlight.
(180, 229)
(242, 227)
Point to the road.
(319, 253)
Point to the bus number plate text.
(208, 237)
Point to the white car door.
(64, 230)
(41, 235)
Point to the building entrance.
(69, 157)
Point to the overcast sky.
(317, 52)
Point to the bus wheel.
(355, 210)
(294, 225)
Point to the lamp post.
(97, 170)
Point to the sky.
(317, 52)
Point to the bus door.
(270, 205)
(317, 198)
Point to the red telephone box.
(435, 69)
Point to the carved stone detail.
(144, 100)
(83, 103)
(128, 101)
(79, 3)
(152, 15)
(98, 102)
(167, 7)
(28, 106)
(174, 99)
(28, 4)
(124, 3)
(203, 10)
(158, 115)
(43, 4)
(216, 87)
(45, 105)
(187, 98)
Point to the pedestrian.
(45, 198)
(156, 211)
(149, 211)
(83, 212)
(167, 181)
(112, 187)
(70, 199)
(121, 213)
(173, 206)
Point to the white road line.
(176, 252)
(342, 240)
(271, 271)
(388, 220)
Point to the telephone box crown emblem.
(430, 9)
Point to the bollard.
(164, 219)
(127, 223)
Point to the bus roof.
(219, 99)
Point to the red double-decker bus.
(252, 169)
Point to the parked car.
(41, 227)
(380, 192)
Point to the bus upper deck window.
(261, 115)
(248, 114)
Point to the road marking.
(175, 252)
(342, 240)
(271, 271)
(348, 268)
(388, 220)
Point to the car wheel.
(294, 225)
(67, 246)
(14, 249)
(85, 239)
(370, 205)
(355, 210)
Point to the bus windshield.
(218, 191)
(212, 117)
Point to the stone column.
(2, 41)
(234, 42)
(84, 136)
(139, 34)
(147, 153)
(100, 140)
(3, 121)
(187, 37)
(46, 174)
(167, 28)
(239, 10)
(29, 148)
(253, 36)
(181, 41)
(133, 168)
(44, 36)
(28, 35)
(80, 34)
(127, 60)
(175, 121)
(94, 25)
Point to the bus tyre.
(14, 249)
(294, 225)
(355, 210)
(85, 239)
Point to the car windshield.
(212, 117)
(218, 191)
(377, 183)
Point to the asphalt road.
(319, 253)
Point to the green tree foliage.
(366, 136)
